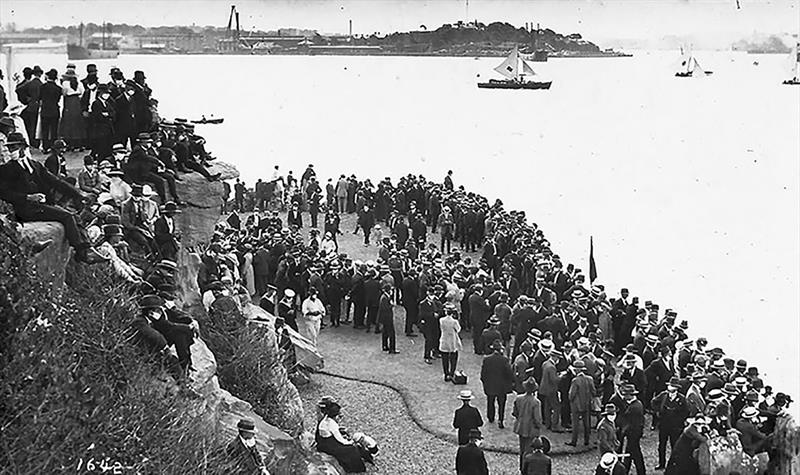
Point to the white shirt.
(329, 427)
(312, 305)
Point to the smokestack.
(350, 30)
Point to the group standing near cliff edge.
(590, 356)
(601, 365)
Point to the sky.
(595, 19)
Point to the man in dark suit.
(144, 167)
(498, 381)
(479, 312)
(101, 116)
(671, 410)
(181, 335)
(29, 93)
(410, 301)
(49, 113)
(165, 232)
(632, 428)
(469, 458)
(386, 319)
(372, 298)
(537, 462)
(125, 120)
(581, 392)
(607, 431)
(243, 450)
(295, 217)
(466, 417)
(29, 187)
(141, 102)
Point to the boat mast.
(104, 35)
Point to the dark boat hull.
(792, 82)
(77, 52)
(514, 85)
(689, 74)
(208, 121)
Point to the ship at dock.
(102, 45)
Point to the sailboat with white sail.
(690, 67)
(515, 70)
(794, 67)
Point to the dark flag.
(592, 266)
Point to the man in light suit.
(528, 413)
(548, 392)
(581, 392)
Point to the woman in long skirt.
(72, 127)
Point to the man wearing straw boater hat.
(243, 449)
(610, 464)
(466, 417)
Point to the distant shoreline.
(568, 55)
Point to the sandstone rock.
(196, 222)
(787, 447)
(724, 455)
(51, 264)
(222, 410)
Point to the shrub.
(249, 365)
(73, 387)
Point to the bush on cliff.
(73, 388)
(249, 365)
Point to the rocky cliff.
(216, 406)
(276, 396)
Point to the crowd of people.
(132, 156)
(604, 368)
(575, 358)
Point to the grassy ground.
(379, 411)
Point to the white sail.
(684, 62)
(526, 69)
(697, 70)
(510, 67)
(793, 63)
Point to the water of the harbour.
(689, 186)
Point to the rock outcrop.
(51, 263)
(787, 447)
(204, 201)
(222, 410)
(724, 455)
(276, 396)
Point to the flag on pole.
(592, 266)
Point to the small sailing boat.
(514, 69)
(690, 67)
(794, 67)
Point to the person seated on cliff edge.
(334, 441)
(243, 451)
(27, 185)
(154, 331)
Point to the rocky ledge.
(217, 407)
